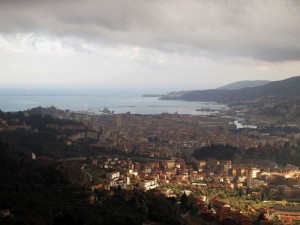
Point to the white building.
(113, 175)
(148, 184)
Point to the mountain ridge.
(244, 84)
(276, 89)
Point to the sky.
(153, 45)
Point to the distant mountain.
(277, 90)
(245, 84)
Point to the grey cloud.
(264, 30)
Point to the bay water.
(95, 101)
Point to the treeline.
(220, 152)
(35, 120)
(281, 155)
(28, 188)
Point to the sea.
(13, 100)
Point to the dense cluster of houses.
(13, 124)
(129, 175)
(168, 135)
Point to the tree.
(184, 201)
(248, 191)
(261, 216)
(240, 192)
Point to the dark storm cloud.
(265, 30)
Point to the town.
(157, 153)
